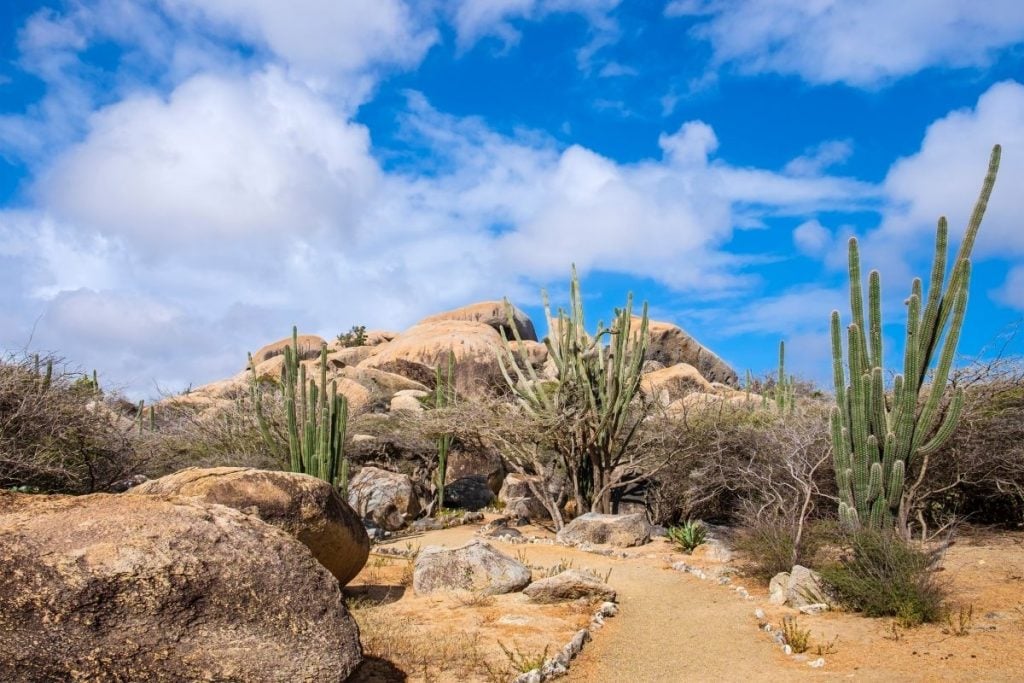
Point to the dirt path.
(675, 627)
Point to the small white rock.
(817, 663)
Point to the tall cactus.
(785, 387)
(879, 440)
(444, 396)
(598, 378)
(316, 419)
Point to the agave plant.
(688, 536)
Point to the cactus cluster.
(317, 418)
(879, 437)
(598, 377)
(785, 386)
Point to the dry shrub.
(59, 434)
(221, 436)
(979, 475)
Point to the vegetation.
(316, 420)
(688, 536)
(879, 443)
(883, 575)
(444, 396)
(59, 433)
(356, 336)
(588, 409)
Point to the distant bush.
(882, 575)
(356, 336)
(58, 433)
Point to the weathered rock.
(485, 463)
(379, 382)
(306, 507)
(572, 584)
(672, 383)
(475, 567)
(417, 372)
(804, 587)
(112, 587)
(671, 344)
(468, 493)
(340, 357)
(408, 401)
(501, 532)
(519, 498)
(309, 347)
(494, 315)
(619, 530)
(386, 499)
(777, 588)
(712, 551)
(474, 345)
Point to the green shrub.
(881, 575)
(356, 336)
(688, 536)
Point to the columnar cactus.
(316, 422)
(879, 439)
(598, 377)
(785, 387)
(444, 396)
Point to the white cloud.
(1012, 291)
(821, 157)
(221, 158)
(323, 36)
(477, 19)
(865, 43)
(812, 238)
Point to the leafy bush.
(59, 433)
(882, 575)
(688, 536)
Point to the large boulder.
(387, 500)
(519, 499)
(469, 463)
(309, 347)
(804, 587)
(306, 507)
(572, 584)
(671, 344)
(475, 567)
(493, 314)
(149, 588)
(475, 347)
(672, 383)
(619, 530)
(468, 493)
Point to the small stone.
(787, 649)
(817, 663)
(815, 608)
(759, 614)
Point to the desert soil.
(673, 626)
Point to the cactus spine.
(316, 419)
(598, 377)
(444, 396)
(878, 439)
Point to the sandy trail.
(674, 627)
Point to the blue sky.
(181, 180)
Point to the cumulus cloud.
(862, 44)
(218, 215)
(812, 238)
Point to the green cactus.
(317, 418)
(444, 396)
(879, 438)
(785, 387)
(598, 378)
